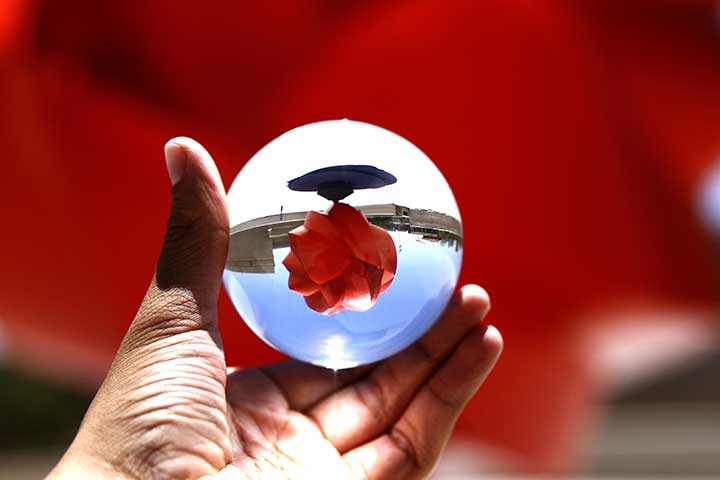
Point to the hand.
(169, 408)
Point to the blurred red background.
(575, 135)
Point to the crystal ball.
(345, 243)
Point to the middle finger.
(368, 407)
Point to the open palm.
(390, 421)
(170, 408)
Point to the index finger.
(364, 409)
(411, 448)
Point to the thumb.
(196, 242)
(184, 291)
(171, 356)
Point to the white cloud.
(261, 188)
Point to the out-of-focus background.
(581, 138)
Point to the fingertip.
(185, 143)
(493, 340)
(474, 297)
(185, 146)
(176, 160)
(482, 349)
(195, 156)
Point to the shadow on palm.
(390, 420)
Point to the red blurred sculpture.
(574, 134)
(339, 260)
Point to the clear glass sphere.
(345, 243)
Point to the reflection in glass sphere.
(345, 243)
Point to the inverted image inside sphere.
(345, 243)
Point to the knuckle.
(173, 308)
(403, 442)
(437, 389)
(428, 354)
(375, 398)
(164, 314)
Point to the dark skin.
(170, 408)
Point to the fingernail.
(176, 160)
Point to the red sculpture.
(339, 260)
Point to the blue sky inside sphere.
(426, 277)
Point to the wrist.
(77, 464)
